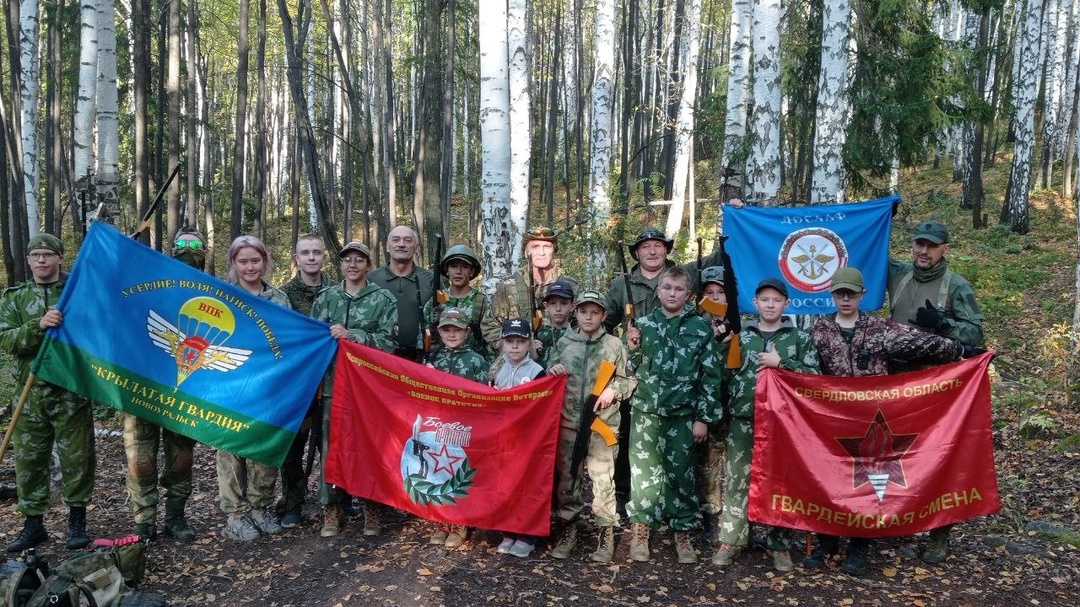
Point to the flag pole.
(15, 414)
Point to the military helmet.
(650, 234)
(463, 253)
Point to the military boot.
(77, 537)
(33, 533)
(176, 526)
(937, 550)
(605, 546)
(825, 547)
(856, 559)
(684, 548)
(567, 541)
(371, 519)
(639, 542)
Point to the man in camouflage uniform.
(559, 305)
(460, 266)
(678, 370)
(411, 286)
(309, 255)
(141, 439)
(578, 356)
(512, 297)
(50, 414)
(768, 341)
(878, 340)
(929, 296)
(362, 312)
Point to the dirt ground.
(1000, 560)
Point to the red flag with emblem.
(443, 447)
(873, 456)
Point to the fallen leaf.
(889, 572)
(424, 571)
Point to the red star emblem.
(444, 461)
(876, 456)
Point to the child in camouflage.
(580, 355)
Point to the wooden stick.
(15, 414)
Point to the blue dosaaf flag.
(157, 338)
(804, 246)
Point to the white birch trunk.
(832, 105)
(738, 82)
(684, 124)
(517, 44)
(30, 88)
(1026, 87)
(1056, 19)
(600, 136)
(313, 212)
(763, 164)
(497, 229)
(83, 138)
(108, 144)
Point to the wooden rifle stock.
(590, 422)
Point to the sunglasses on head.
(188, 244)
(541, 232)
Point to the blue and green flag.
(159, 339)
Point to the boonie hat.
(847, 278)
(357, 246)
(650, 234)
(47, 242)
(591, 296)
(560, 288)
(516, 327)
(772, 283)
(712, 274)
(453, 317)
(932, 230)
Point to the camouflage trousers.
(600, 464)
(662, 471)
(53, 415)
(141, 439)
(709, 468)
(734, 528)
(244, 484)
(328, 494)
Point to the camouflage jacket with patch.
(461, 361)
(370, 316)
(302, 295)
(797, 353)
(21, 307)
(877, 340)
(474, 305)
(678, 367)
(581, 355)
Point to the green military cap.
(357, 246)
(47, 242)
(453, 317)
(591, 296)
(712, 274)
(932, 230)
(847, 278)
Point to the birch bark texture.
(29, 92)
(684, 123)
(497, 230)
(107, 208)
(600, 136)
(1025, 91)
(517, 42)
(832, 104)
(763, 167)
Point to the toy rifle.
(629, 306)
(717, 310)
(536, 315)
(440, 297)
(148, 216)
(590, 422)
(731, 312)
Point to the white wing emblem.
(193, 352)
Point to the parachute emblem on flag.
(876, 456)
(434, 466)
(809, 257)
(206, 325)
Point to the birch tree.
(29, 90)
(763, 164)
(600, 137)
(738, 82)
(830, 121)
(108, 129)
(517, 41)
(1025, 90)
(498, 231)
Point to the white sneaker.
(506, 544)
(523, 547)
(240, 528)
(265, 521)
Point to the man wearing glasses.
(141, 439)
(51, 414)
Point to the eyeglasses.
(188, 244)
(844, 294)
(352, 261)
(42, 256)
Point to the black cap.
(772, 283)
(560, 288)
(518, 327)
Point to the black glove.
(929, 317)
(972, 351)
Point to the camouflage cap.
(47, 242)
(591, 296)
(932, 230)
(848, 278)
(650, 234)
(712, 274)
(357, 246)
(453, 317)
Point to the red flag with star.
(443, 447)
(873, 456)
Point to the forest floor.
(1026, 554)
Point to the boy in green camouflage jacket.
(578, 356)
